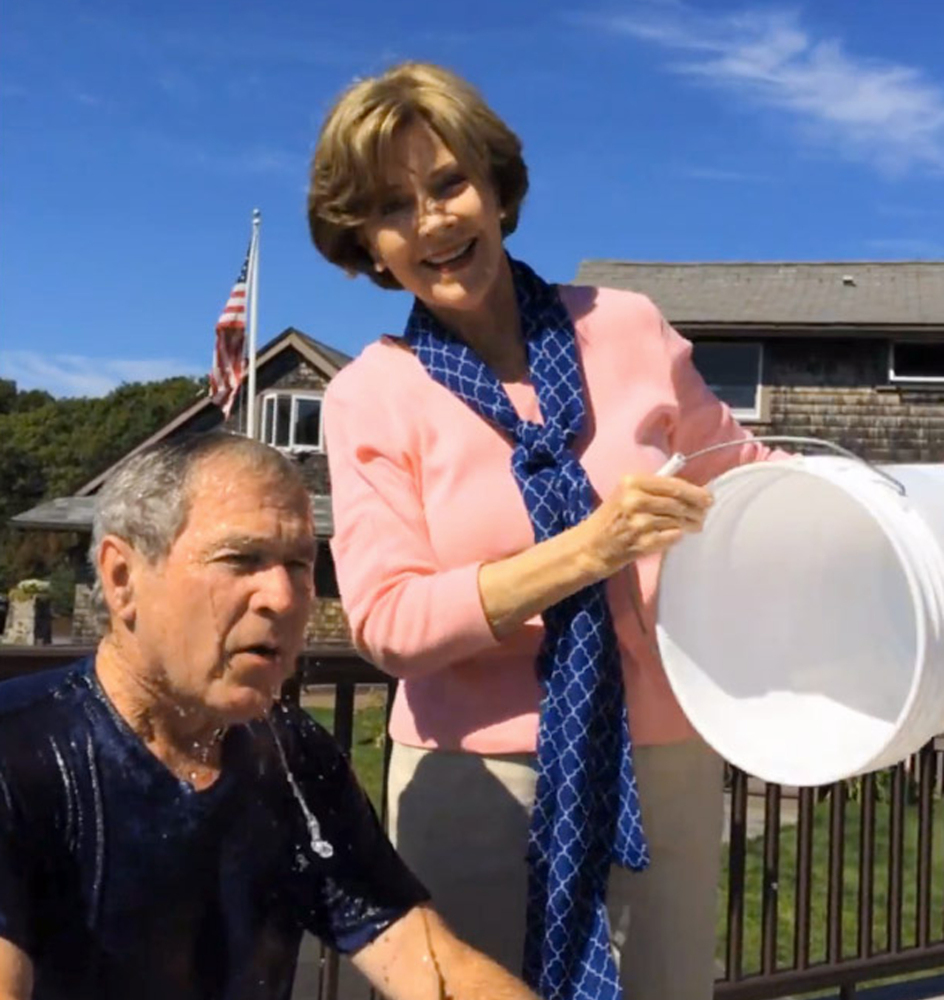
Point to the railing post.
(737, 860)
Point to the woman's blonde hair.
(348, 172)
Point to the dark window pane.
(326, 582)
(308, 422)
(919, 360)
(731, 371)
(283, 421)
(738, 397)
(268, 420)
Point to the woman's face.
(436, 229)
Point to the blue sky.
(137, 138)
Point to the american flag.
(229, 367)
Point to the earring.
(380, 266)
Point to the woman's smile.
(452, 258)
(438, 231)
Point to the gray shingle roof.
(880, 293)
(62, 514)
(75, 514)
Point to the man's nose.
(279, 590)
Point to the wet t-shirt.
(120, 881)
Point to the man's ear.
(116, 564)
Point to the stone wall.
(327, 624)
(85, 627)
(29, 621)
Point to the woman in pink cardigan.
(498, 533)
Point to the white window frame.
(293, 419)
(757, 411)
(913, 379)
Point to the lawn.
(367, 744)
(819, 886)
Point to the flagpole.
(253, 313)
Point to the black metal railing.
(826, 888)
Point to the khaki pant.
(460, 821)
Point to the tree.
(50, 447)
(7, 394)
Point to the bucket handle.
(678, 461)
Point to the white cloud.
(887, 114)
(80, 375)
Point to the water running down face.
(221, 618)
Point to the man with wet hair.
(166, 828)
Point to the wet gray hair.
(146, 499)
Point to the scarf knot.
(586, 811)
(540, 446)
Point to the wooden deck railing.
(817, 900)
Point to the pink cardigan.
(423, 494)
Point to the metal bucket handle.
(678, 461)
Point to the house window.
(326, 581)
(292, 420)
(732, 370)
(916, 362)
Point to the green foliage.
(38, 554)
(72, 440)
(50, 447)
(62, 588)
(7, 394)
(13, 400)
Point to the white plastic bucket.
(803, 630)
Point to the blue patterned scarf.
(586, 812)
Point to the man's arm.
(16, 972)
(419, 958)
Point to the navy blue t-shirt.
(120, 881)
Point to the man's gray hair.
(146, 499)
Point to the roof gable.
(204, 415)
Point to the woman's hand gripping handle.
(645, 514)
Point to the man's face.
(221, 619)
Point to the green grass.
(367, 745)
(819, 886)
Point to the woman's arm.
(410, 616)
(644, 515)
(407, 614)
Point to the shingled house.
(292, 371)
(851, 352)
